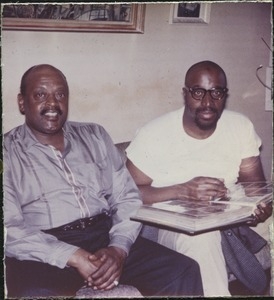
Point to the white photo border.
(204, 15)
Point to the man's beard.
(206, 125)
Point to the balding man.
(68, 199)
(197, 152)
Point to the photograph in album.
(193, 216)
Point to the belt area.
(80, 224)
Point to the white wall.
(124, 80)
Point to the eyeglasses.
(215, 93)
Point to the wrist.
(122, 254)
(181, 191)
(73, 260)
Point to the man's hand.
(80, 261)
(203, 188)
(111, 261)
(261, 213)
(100, 270)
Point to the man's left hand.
(261, 213)
(108, 274)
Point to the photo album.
(193, 216)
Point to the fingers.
(253, 222)
(208, 189)
(108, 274)
(106, 282)
(263, 212)
(110, 284)
(94, 258)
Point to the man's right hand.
(81, 262)
(202, 188)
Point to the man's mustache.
(206, 109)
(45, 110)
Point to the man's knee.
(185, 264)
(184, 267)
(186, 275)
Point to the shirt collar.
(28, 137)
(30, 140)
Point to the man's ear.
(20, 101)
(184, 91)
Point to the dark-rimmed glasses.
(215, 93)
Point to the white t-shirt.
(164, 152)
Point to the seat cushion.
(121, 291)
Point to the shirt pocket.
(96, 177)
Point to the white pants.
(206, 249)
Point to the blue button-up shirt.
(44, 188)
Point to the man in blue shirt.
(68, 199)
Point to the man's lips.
(206, 113)
(51, 113)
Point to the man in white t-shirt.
(197, 152)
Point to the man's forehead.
(206, 74)
(204, 69)
(45, 72)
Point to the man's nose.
(207, 100)
(51, 99)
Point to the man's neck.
(56, 140)
(194, 131)
(198, 134)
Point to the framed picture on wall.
(193, 12)
(124, 17)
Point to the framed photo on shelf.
(120, 18)
(193, 12)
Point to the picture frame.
(186, 12)
(75, 17)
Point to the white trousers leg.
(206, 249)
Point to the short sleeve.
(140, 154)
(250, 141)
